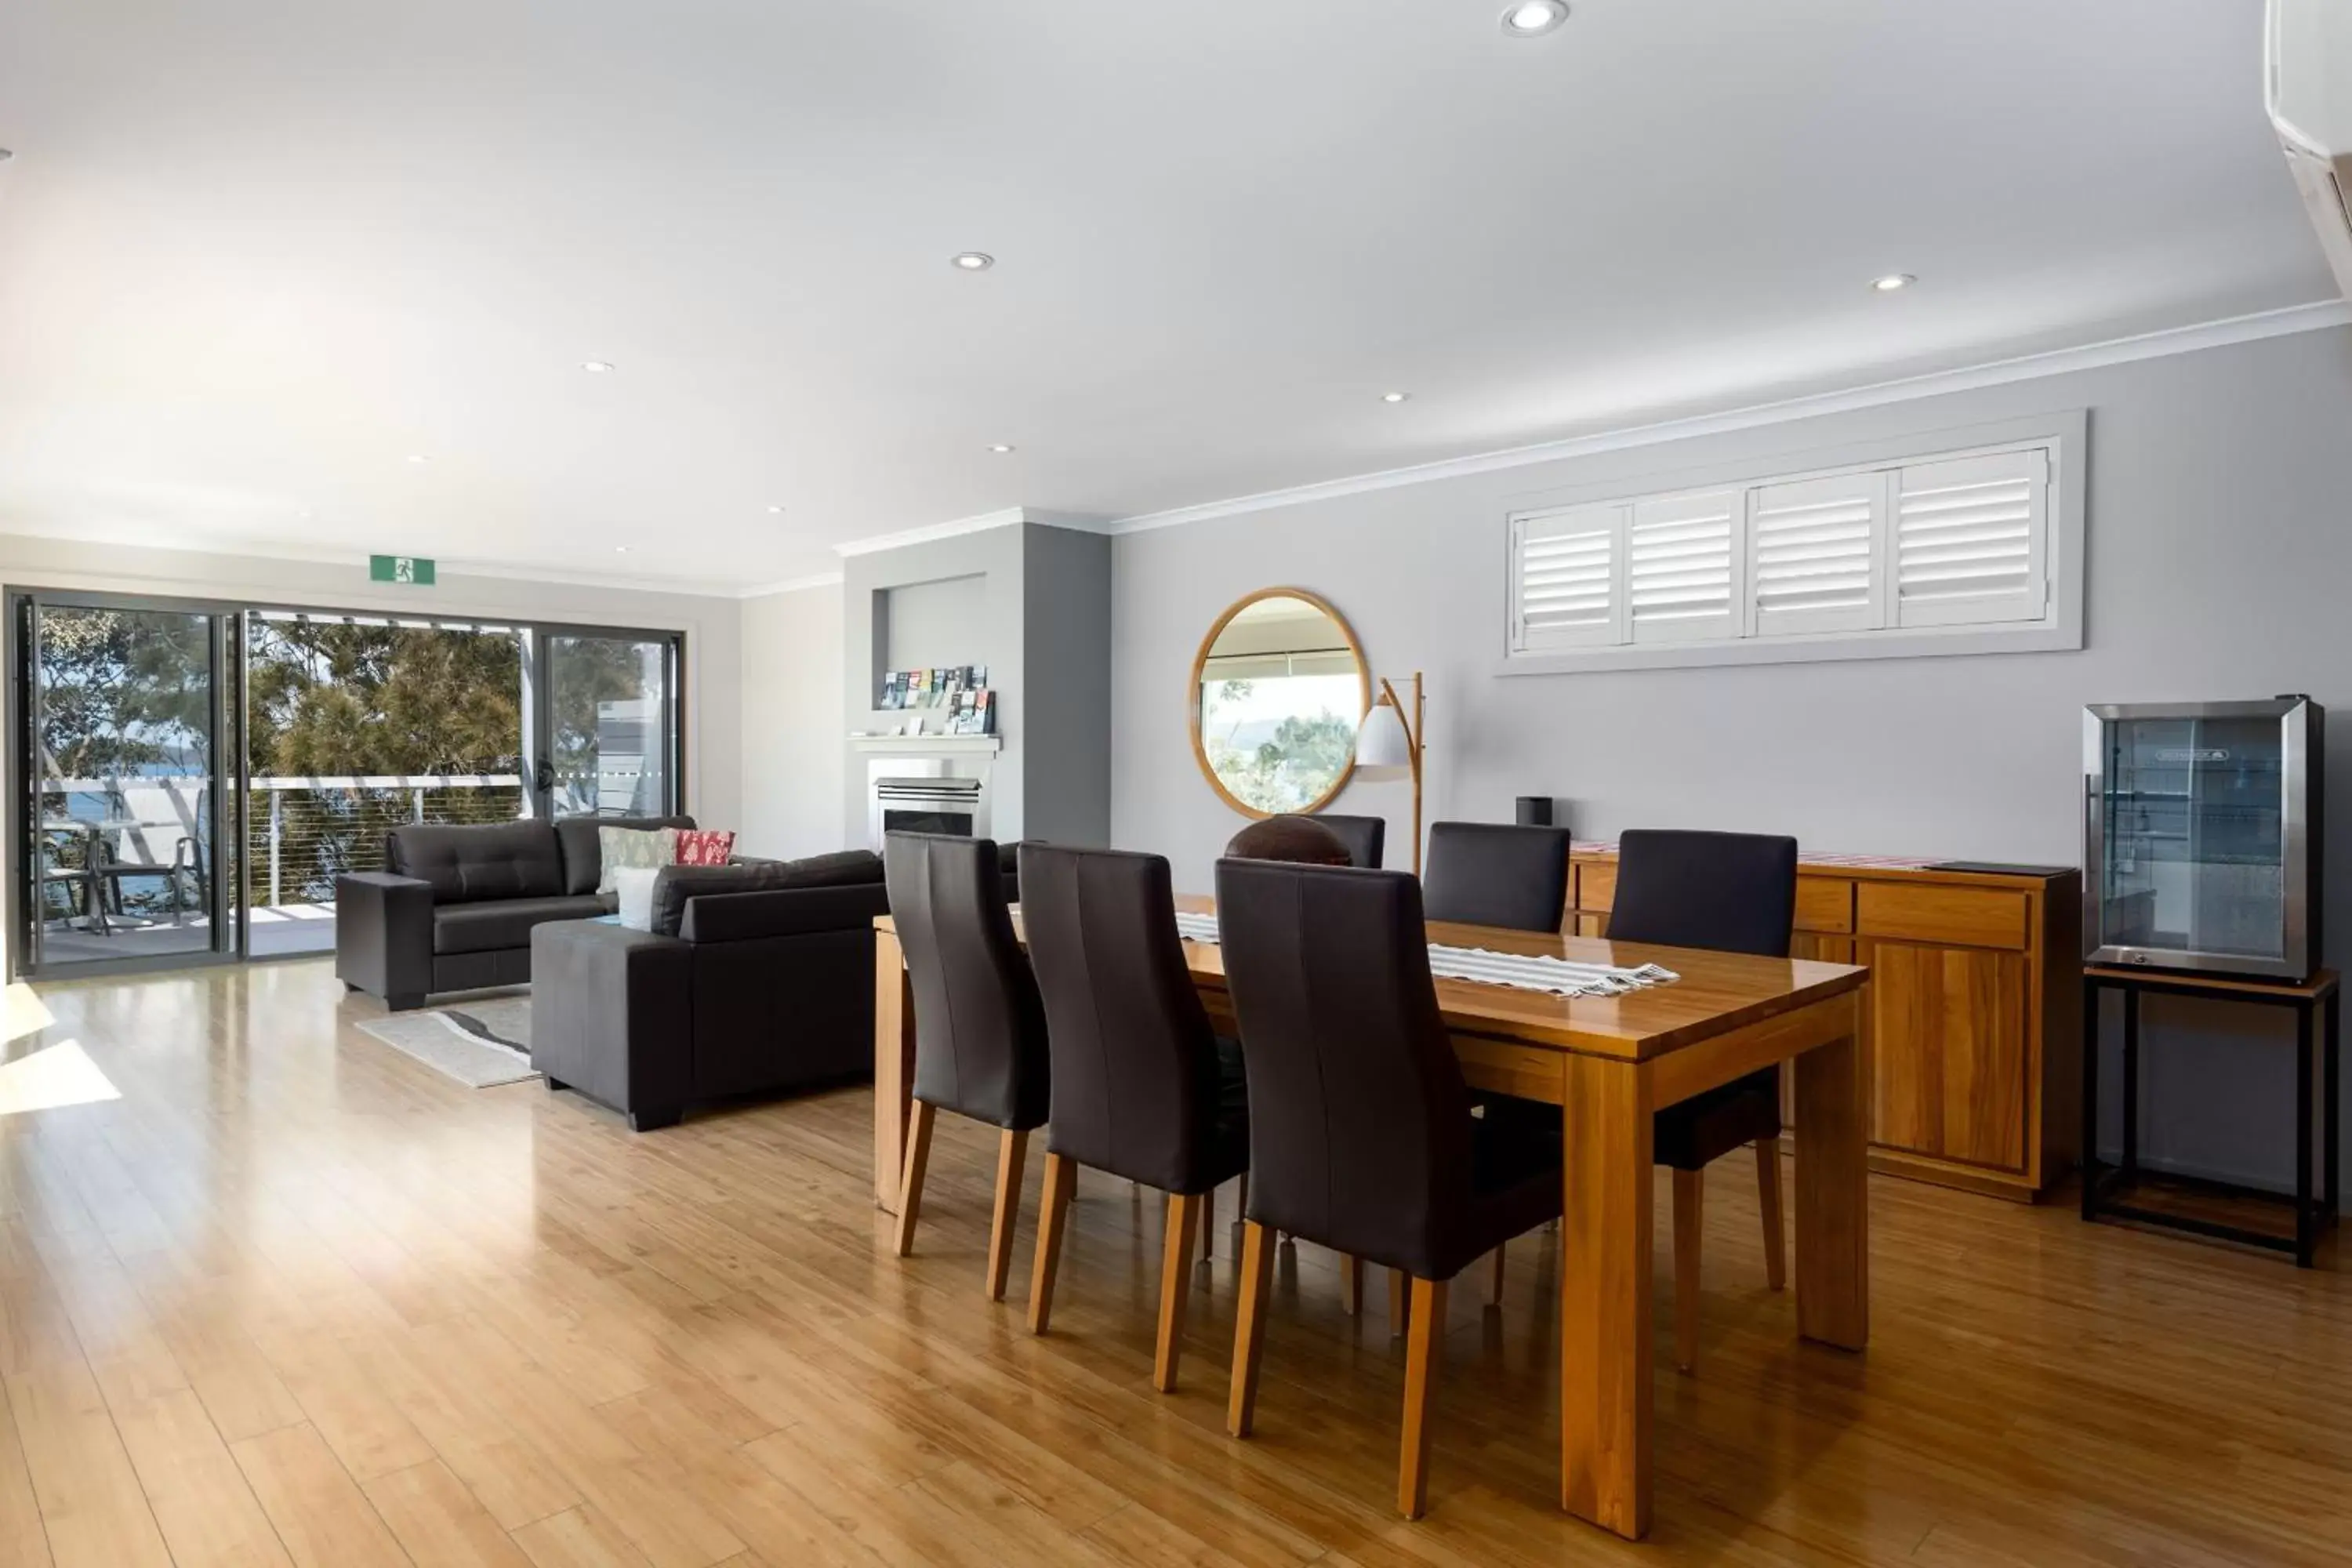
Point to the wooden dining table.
(1610, 1063)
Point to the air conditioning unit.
(2308, 87)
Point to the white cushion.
(635, 885)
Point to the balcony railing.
(302, 832)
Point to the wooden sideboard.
(1973, 1018)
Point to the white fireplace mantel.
(928, 746)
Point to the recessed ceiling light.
(1533, 18)
(1396, 396)
(1892, 281)
(975, 260)
(418, 458)
(620, 550)
(999, 447)
(775, 512)
(596, 366)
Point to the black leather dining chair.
(1497, 874)
(1360, 1132)
(1733, 892)
(1493, 873)
(1365, 837)
(1142, 1086)
(980, 1027)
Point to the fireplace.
(934, 803)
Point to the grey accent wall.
(2220, 519)
(1065, 667)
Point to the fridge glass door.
(2193, 859)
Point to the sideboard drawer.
(1825, 904)
(1962, 917)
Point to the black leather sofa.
(457, 905)
(755, 979)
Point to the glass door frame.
(539, 707)
(225, 909)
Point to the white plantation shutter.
(1953, 540)
(1566, 572)
(1971, 536)
(1814, 555)
(1682, 570)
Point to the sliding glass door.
(124, 734)
(196, 777)
(355, 725)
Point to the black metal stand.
(2106, 1189)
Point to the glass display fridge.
(2201, 846)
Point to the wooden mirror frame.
(1201, 662)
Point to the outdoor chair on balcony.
(154, 816)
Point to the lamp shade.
(1382, 747)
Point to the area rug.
(481, 1044)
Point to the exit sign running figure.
(416, 569)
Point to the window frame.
(2062, 435)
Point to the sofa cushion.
(504, 923)
(704, 846)
(632, 887)
(844, 869)
(622, 848)
(467, 864)
(583, 862)
(676, 884)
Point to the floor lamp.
(1389, 746)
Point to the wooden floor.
(292, 1297)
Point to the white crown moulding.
(2317, 316)
(981, 524)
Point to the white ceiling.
(254, 252)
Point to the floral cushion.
(704, 846)
(619, 846)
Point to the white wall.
(794, 723)
(2219, 543)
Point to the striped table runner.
(1561, 976)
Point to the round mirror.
(1277, 690)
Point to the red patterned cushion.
(702, 847)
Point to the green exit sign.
(418, 568)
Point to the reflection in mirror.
(1277, 692)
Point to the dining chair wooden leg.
(1053, 1222)
(1249, 1328)
(910, 1184)
(1012, 1154)
(1399, 1311)
(1351, 1285)
(1420, 1374)
(1184, 1214)
(1689, 1205)
(1208, 1224)
(1494, 1276)
(1768, 1193)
